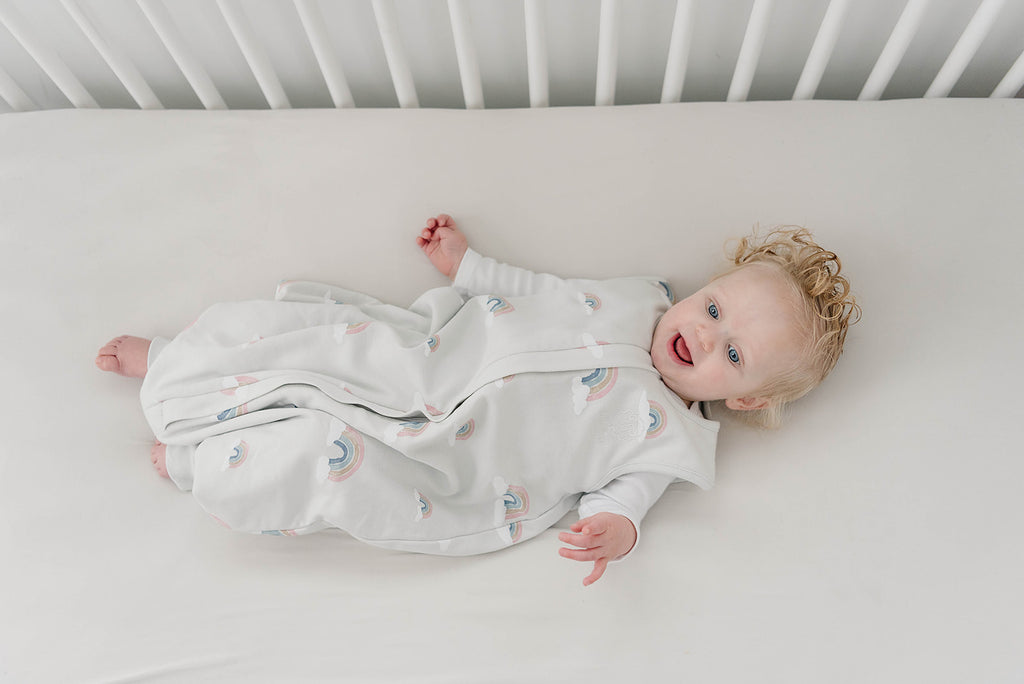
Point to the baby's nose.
(704, 339)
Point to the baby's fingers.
(599, 567)
(581, 554)
(590, 525)
(426, 240)
(583, 540)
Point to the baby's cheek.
(717, 383)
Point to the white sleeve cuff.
(464, 276)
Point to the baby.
(480, 415)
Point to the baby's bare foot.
(158, 457)
(125, 355)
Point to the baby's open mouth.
(679, 352)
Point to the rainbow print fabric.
(592, 386)
(465, 423)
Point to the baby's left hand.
(602, 537)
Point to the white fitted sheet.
(876, 537)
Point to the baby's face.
(728, 339)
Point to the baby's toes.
(158, 457)
(106, 359)
(110, 348)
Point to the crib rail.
(92, 54)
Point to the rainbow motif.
(600, 382)
(668, 291)
(433, 410)
(466, 431)
(499, 305)
(657, 420)
(344, 466)
(425, 507)
(281, 533)
(515, 531)
(411, 428)
(592, 300)
(234, 411)
(433, 342)
(241, 452)
(517, 502)
(354, 328)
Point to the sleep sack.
(460, 425)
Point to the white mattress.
(876, 537)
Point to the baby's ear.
(747, 403)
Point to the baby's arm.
(610, 520)
(473, 274)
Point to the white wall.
(499, 38)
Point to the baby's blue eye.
(713, 310)
(734, 355)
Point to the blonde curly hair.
(828, 310)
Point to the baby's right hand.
(444, 244)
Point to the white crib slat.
(15, 96)
(965, 48)
(821, 51)
(117, 60)
(1013, 81)
(536, 53)
(47, 59)
(256, 56)
(750, 51)
(894, 49)
(607, 53)
(172, 39)
(316, 30)
(465, 53)
(678, 52)
(401, 76)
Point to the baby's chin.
(676, 388)
(687, 400)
